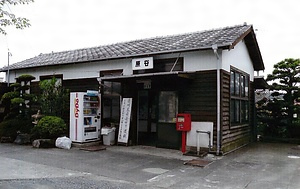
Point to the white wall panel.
(77, 71)
(239, 58)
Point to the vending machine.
(85, 116)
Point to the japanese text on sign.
(142, 63)
(125, 120)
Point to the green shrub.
(49, 127)
(54, 99)
(11, 127)
(17, 101)
(10, 95)
(25, 77)
(17, 85)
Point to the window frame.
(111, 96)
(239, 97)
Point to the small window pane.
(237, 111)
(115, 108)
(247, 86)
(168, 106)
(243, 112)
(237, 84)
(243, 85)
(232, 110)
(246, 111)
(232, 83)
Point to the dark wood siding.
(252, 115)
(199, 98)
(74, 85)
(238, 135)
(225, 103)
(81, 85)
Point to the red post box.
(183, 123)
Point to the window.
(239, 91)
(59, 79)
(168, 106)
(111, 97)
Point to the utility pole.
(8, 55)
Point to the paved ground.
(260, 165)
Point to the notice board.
(125, 120)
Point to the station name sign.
(142, 63)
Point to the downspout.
(215, 49)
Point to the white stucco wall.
(77, 71)
(200, 61)
(239, 58)
(193, 61)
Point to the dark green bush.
(49, 127)
(15, 85)
(25, 77)
(17, 101)
(10, 95)
(11, 127)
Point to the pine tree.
(282, 110)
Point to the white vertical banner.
(125, 120)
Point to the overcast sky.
(59, 25)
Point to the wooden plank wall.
(199, 98)
(252, 114)
(238, 135)
(81, 85)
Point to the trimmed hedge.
(49, 127)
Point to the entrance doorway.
(156, 113)
(147, 118)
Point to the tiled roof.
(224, 37)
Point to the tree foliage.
(280, 114)
(10, 19)
(54, 98)
(287, 75)
(19, 98)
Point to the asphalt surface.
(259, 165)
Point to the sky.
(58, 25)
